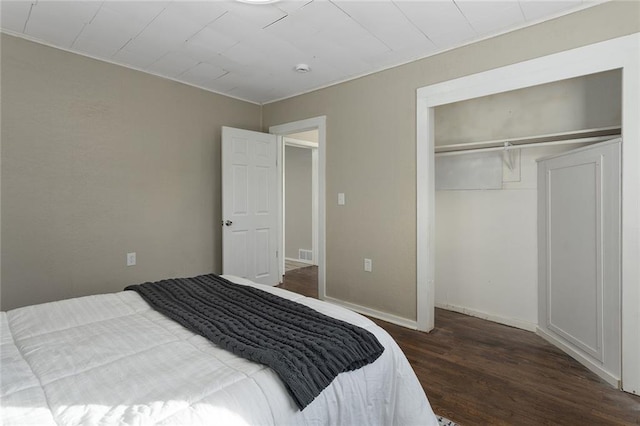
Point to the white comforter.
(111, 359)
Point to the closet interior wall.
(486, 240)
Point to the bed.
(112, 359)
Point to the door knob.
(228, 223)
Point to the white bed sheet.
(112, 359)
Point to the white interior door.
(579, 255)
(249, 205)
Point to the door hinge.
(276, 254)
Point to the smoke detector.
(302, 68)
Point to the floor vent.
(305, 255)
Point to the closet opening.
(600, 57)
(486, 153)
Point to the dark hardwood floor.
(477, 372)
(303, 281)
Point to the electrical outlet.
(367, 265)
(131, 259)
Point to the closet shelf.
(577, 136)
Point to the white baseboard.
(511, 322)
(308, 262)
(394, 319)
(582, 359)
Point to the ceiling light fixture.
(302, 68)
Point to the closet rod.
(550, 137)
(510, 147)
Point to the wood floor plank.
(477, 372)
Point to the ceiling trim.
(334, 83)
(457, 46)
(86, 55)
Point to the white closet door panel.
(574, 280)
(579, 255)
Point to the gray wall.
(371, 143)
(297, 200)
(99, 160)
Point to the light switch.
(367, 265)
(131, 259)
(341, 198)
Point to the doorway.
(316, 126)
(300, 200)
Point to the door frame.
(620, 53)
(281, 130)
(313, 146)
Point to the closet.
(487, 206)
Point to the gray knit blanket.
(305, 348)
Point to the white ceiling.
(250, 51)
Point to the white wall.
(486, 248)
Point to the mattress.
(112, 359)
